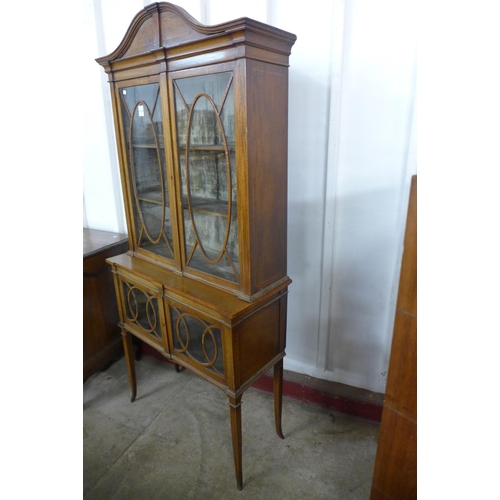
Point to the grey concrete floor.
(174, 442)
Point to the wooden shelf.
(148, 146)
(218, 148)
(210, 207)
(153, 197)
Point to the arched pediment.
(164, 26)
(160, 24)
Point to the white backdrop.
(352, 151)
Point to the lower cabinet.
(225, 340)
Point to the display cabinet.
(201, 117)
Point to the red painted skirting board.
(307, 394)
(312, 395)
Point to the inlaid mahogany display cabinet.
(201, 114)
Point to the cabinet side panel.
(259, 340)
(267, 102)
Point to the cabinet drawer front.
(142, 313)
(197, 340)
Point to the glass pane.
(198, 340)
(141, 310)
(207, 162)
(143, 127)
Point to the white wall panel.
(195, 8)
(309, 98)
(105, 25)
(377, 104)
(219, 11)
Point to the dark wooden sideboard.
(102, 341)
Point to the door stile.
(241, 140)
(123, 162)
(174, 158)
(170, 143)
(168, 327)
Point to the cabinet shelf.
(198, 204)
(210, 206)
(208, 148)
(153, 196)
(147, 146)
(150, 200)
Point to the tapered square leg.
(129, 358)
(278, 396)
(235, 415)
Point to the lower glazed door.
(196, 340)
(142, 313)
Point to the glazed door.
(141, 310)
(206, 166)
(197, 340)
(147, 180)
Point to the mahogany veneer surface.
(395, 474)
